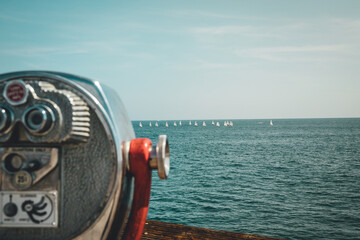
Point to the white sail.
(166, 124)
(156, 124)
(175, 124)
(212, 123)
(204, 124)
(231, 124)
(180, 123)
(150, 124)
(271, 123)
(217, 124)
(195, 124)
(140, 125)
(190, 123)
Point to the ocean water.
(297, 179)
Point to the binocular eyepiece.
(6, 119)
(38, 119)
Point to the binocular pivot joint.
(159, 156)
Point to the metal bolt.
(160, 157)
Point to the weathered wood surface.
(162, 230)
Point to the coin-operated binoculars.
(71, 167)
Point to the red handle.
(139, 155)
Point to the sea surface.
(297, 179)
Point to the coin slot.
(22, 180)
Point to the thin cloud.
(200, 14)
(41, 51)
(294, 53)
(287, 29)
(219, 65)
(99, 48)
(33, 51)
(195, 65)
(350, 23)
(223, 30)
(13, 19)
(259, 31)
(32, 65)
(294, 49)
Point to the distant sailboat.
(195, 124)
(271, 123)
(190, 123)
(175, 124)
(156, 124)
(166, 124)
(231, 124)
(180, 123)
(204, 124)
(217, 124)
(212, 123)
(150, 124)
(140, 125)
(225, 124)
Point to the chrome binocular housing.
(71, 167)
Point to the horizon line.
(225, 119)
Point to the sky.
(195, 59)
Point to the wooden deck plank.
(166, 231)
